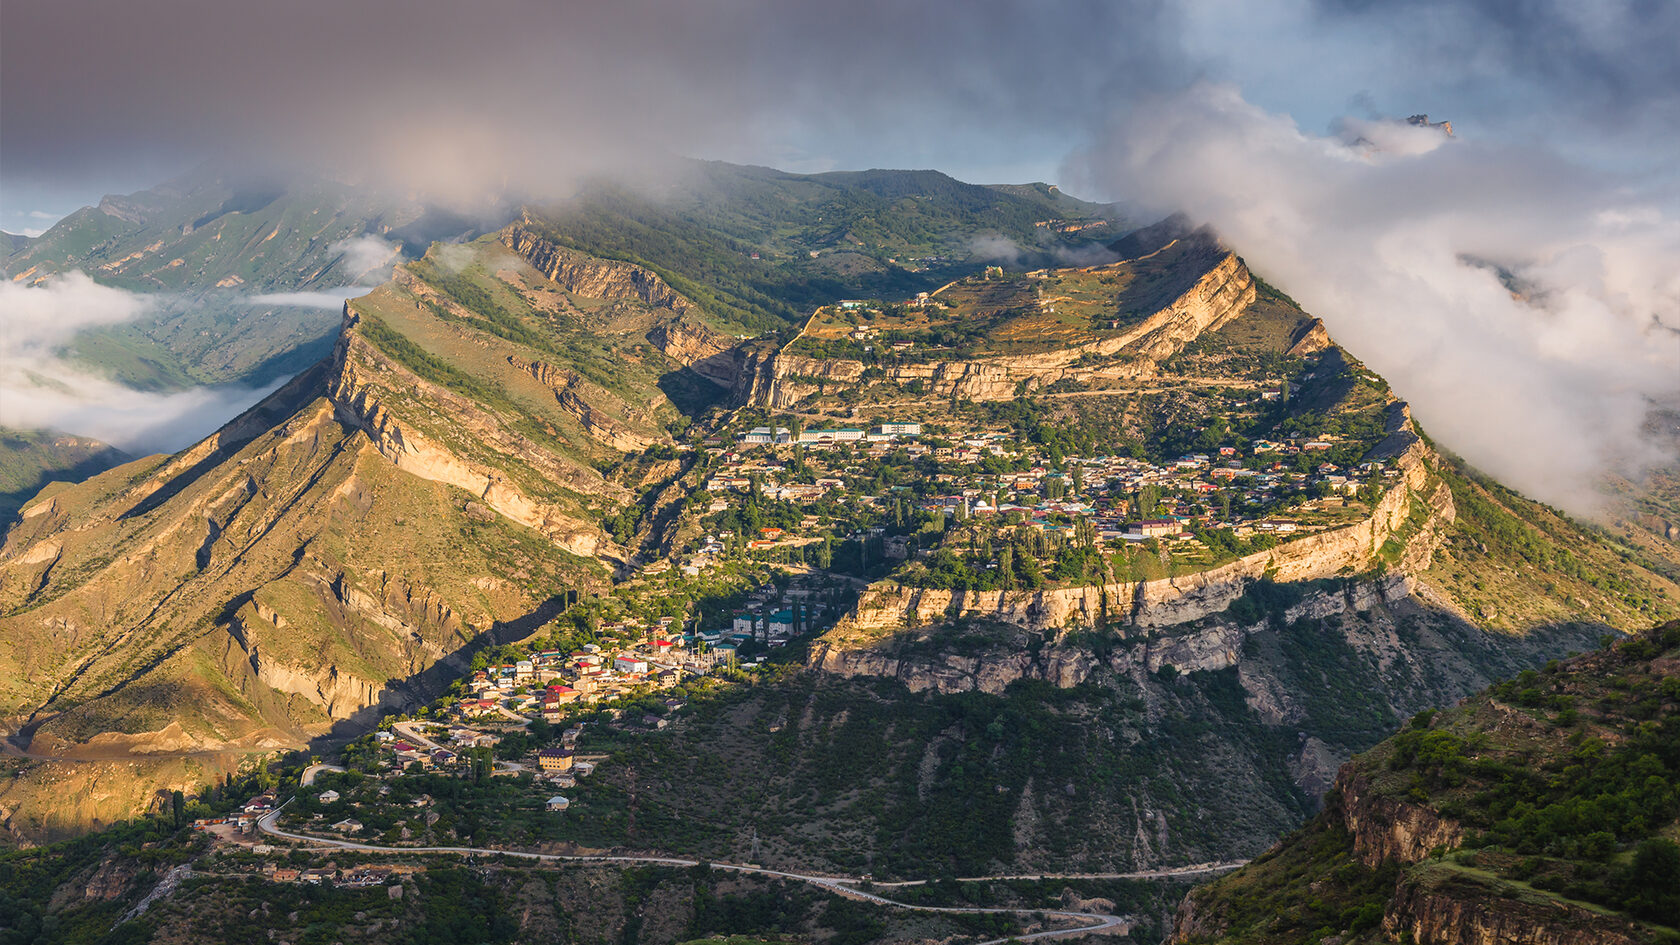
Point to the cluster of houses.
(245, 819)
(1101, 489)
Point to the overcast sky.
(1245, 114)
(100, 95)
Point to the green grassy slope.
(1562, 788)
(819, 238)
(29, 459)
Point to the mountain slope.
(427, 490)
(13, 242)
(209, 248)
(29, 459)
(1543, 810)
(758, 248)
(512, 424)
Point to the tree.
(177, 805)
(1148, 500)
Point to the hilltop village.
(788, 525)
(785, 516)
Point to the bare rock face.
(591, 277)
(715, 356)
(1385, 828)
(1446, 910)
(355, 384)
(1219, 296)
(887, 607)
(1310, 340)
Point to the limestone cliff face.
(914, 658)
(1439, 910)
(729, 362)
(887, 607)
(590, 277)
(359, 371)
(1219, 296)
(597, 423)
(1387, 828)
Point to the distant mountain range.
(221, 254)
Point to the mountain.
(220, 252)
(1542, 810)
(1123, 709)
(519, 429)
(29, 459)
(211, 248)
(13, 242)
(345, 544)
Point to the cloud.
(34, 319)
(40, 390)
(317, 298)
(454, 257)
(467, 102)
(994, 248)
(367, 258)
(1515, 298)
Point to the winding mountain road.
(843, 886)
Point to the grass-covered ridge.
(760, 248)
(1562, 787)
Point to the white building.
(897, 429)
(764, 435)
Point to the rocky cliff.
(1384, 827)
(1221, 294)
(359, 373)
(1445, 909)
(588, 276)
(1417, 502)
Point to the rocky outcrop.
(356, 399)
(713, 355)
(1220, 295)
(888, 607)
(1439, 907)
(591, 277)
(1310, 340)
(914, 656)
(1387, 828)
(566, 386)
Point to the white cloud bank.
(1397, 242)
(40, 390)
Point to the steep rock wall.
(888, 607)
(1217, 297)
(1386, 828)
(590, 277)
(356, 400)
(913, 657)
(1442, 909)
